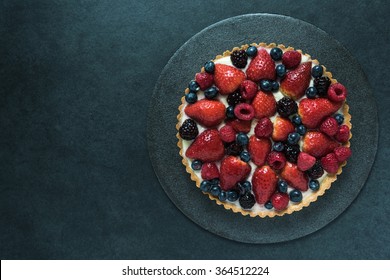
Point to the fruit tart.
(264, 129)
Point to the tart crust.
(326, 182)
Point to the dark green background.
(76, 181)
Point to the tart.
(264, 129)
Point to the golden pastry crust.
(326, 182)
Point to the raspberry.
(286, 107)
(329, 126)
(322, 84)
(239, 58)
(330, 163)
(264, 127)
(244, 111)
(204, 80)
(248, 89)
(233, 149)
(188, 130)
(291, 151)
(291, 59)
(342, 153)
(342, 134)
(276, 160)
(305, 161)
(316, 171)
(209, 171)
(234, 98)
(337, 92)
(227, 133)
(247, 200)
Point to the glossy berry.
(191, 97)
(205, 186)
(276, 160)
(278, 146)
(196, 165)
(322, 84)
(317, 71)
(311, 92)
(286, 107)
(314, 185)
(339, 118)
(293, 138)
(222, 196)
(193, 86)
(251, 51)
(282, 186)
(291, 152)
(247, 186)
(266, 85)
(234, 98)
(275, 86)
(233, 149)
(301, 129)
(276, 54)
(247, 200)
(204, 79)
(244, 111)
(263, 128)
(230, 112)
(242, 139)
(211, 92)
(215, 190)
(268, 205)
(280, 70)
(227, 133)
(239, 58)
(296, 196)
(316, 171)
(296, 120)
(232, 196)
(188, 130)
(337, 92)
(245, 156)
(209, 67)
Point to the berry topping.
(211, 92)
(316, 171)
(275, 86)
(342, 134)
(191, 97)
(305, 161)
(261, 67)
(233, 149)
(188, 130)
(196, 165)
(330, 163)
(282, 128)
(207, 147)
(227, 133)
(209, 171)
(251, 51)
(317, 71)
(264, 128)
(339, 118)
(193, 86)
(215, 190)
(232, 196)
(276, 54)
(295, 196)
(227, 78)
(222, 196)
(311, 92)
(264, 182)
(239, 58)
(248, 89)
(209, 67)
(232, 171)
(286, 107)
(240, 125)
(244, 187)
(313, 111)
(247, 200)
(292, 152)
(278, 146)
(282, 186)
(295, 177)
(244, 111)
(293, 138)
(204, 80)
(264, 104)
(318, 144)
(280, 70)
(242, 139)
(296, 81)
(230, 112)
(301, 129)
(276, 160)
(291, 59)
(259, 149)
(280, 201)
(296, 120)
(234, 98)
(337, 92)
(268, 205)
(314, 185)
(322, 84)
(245, 156)
(342, 153)
(206, 112)
(205, 186)
(266, 85)
(329, 126)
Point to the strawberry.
(318, 144)
(248, 89)
(280, 201)
(264, 182)
(259, 149)
(291, 59)
(313, 111)
(305, 161)
(282, 128)
(342, 134)
(329, 126)
(240, 125)
(206, 112)
(207, 147)
(204, 80)
(209, 171)
(227, 133)
(342, 153)
(296, 81)
(264, 104)
(295, 177)
(261, 67)
(330, 163)
(264, 128)
(232, 171)
(227, 78)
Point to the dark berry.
(292, 152)
(251, 51)
(215, 190)
(293, 138)
(322, 84)
(232, 196)
(314, 185)
(317, 71)
(214, 181)
(282, 186)
(222, 196)
(191, 97)
(196, 165)
(266, 85)
(211, 92)
(311, 92)
(234, 98)
(239, 58)
(286, 107)
(296, 120)
(233, 149)
(246, 185)
(205, 186)
(296, 196)
(188, 130)
(247, 200)
(209, 67)
(276, 54)
(280, 70)
(193, 86)
(278, 146)
(301, 129)
(316, 171)
(245, 156)
(339, 118)
(230, 112)
(275, 86)
(268, 205)
(242, 139)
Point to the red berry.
(209, 171)
(305, 161)
(264, 182)
(244, 111)
(240, 125)
(204, 79)
(329, 126)
(207, 112)
(342, 134)
(248, 89)
(342, 153)
(291, 59)
(264, 104)
(296, 81)
(330, 163)
(207, 147)
(280, 201)
(227, 78)
(264, 127)
(276, 160)
(232, 171)
(261, 67)
(313, 111)
(337, 92)
(227, 133)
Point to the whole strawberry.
(261, 67)
(206, 112)
(227, 78)
(264, 182)
(259, 149)
(295, 177)
(318, 144)
(232, 171)
(313, 111)
(282, 128)
(296, 81)
(207, 147)
(264, 104)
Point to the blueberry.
(339, 118)
(296, 196)
(230, 112)
(311, 92)
(211, 92)
(222, 196)
(317, 71)
(282, 186)
(191, 97)
(215, 190)
(280, 70)
(268, 205)
(205, 186)
(242, 139)
(232, 196)
(293, 138)
(275, 86)
(247, 185)
(278, 146)
(209, 67)
(193, 86)
(314, 185)
(196, 165)
(265, 85)
(245, 156)
(214, 181)
(301, 129)
(251, 51)
(276, 54)
(296, 120)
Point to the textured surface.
(76, 180)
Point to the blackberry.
(316, 171)
(322, 84)
(188, 130)
(291, 151)
(239, 58)
(233, 149)
(234, 98)
(286, 107)
(247, 200)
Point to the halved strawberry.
(318, 144)
(261, 67)
(206, 112)
(296, 81)
(295, 177)
(264, 182)
(240, 125)
(232, 171)
(282, 128)
(207, 147)
(259, 149)
(313, 111)
(264, 104)
(227, 78)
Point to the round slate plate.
(188, 60)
